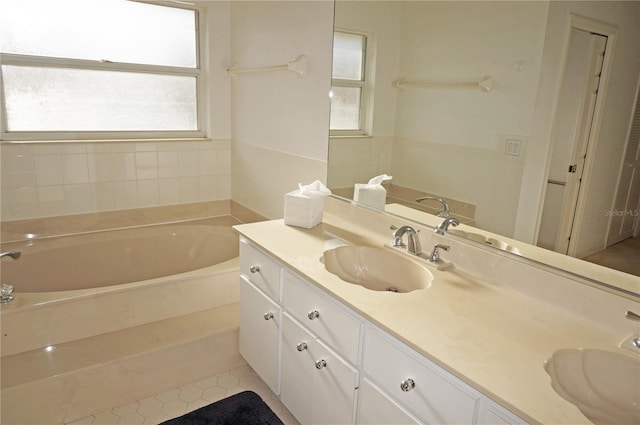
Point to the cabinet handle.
(268, 316)
(302, 346)
(313, 314)
(320, 364)
(254, 269)
(407, 385)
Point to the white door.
(625, 215)
(571, 135)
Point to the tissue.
(303, 207)
(372, 194)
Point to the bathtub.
(93, 311)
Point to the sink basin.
(377, 269)
(604, 385)
(478, 237)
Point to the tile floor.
(183, 399)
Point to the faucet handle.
(435, 255)
(632, 316)
(397, 239)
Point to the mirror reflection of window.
(349, 91)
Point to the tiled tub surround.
(71, 353)
(492, 321)
(52, 179)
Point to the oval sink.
(604, 385)
(376, 269)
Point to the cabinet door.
(377, 408)
(318, 387)
(259, 333)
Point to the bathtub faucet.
(6, 290)
(13, 254)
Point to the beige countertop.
(493, 338)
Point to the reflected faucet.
(13, 254)
(413, 241)
(445, 205)
(444, 226)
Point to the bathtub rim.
(24, 301)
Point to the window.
(349, 91)
(111, 69)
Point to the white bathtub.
(117, 304)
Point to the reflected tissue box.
(302, 210)
(372, 196)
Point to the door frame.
(610, 31)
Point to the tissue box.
(373, 196)
(302, 210)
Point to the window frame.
(105, 65)
(365, 85)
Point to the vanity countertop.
(493, 338)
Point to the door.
(625, 215)
(571, 135)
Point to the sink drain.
(391, 289)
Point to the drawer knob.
(320, 364)
(302, 346)
(268, 316)
(254, 269)
(313, 314)
(407, 385)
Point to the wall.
(613, 131)
(448, 141)
(451, 141)
(53, 179)
(279, 121)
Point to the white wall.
(450, 141)
(279, 122)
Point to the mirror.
(465, 104)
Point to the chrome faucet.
(13, 254)
(413, 241)
(445, 205)
(444, 226)
(6, 290)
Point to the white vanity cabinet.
(329, 365)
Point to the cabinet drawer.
(318, 387)
(332, 323)
(436, 396)
(376, 408)
(260, 269)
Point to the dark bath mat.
(245, 408)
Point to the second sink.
(604, 385)
(376, 269)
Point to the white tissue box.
(302, 210)
(373, 196)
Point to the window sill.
(156, 140)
